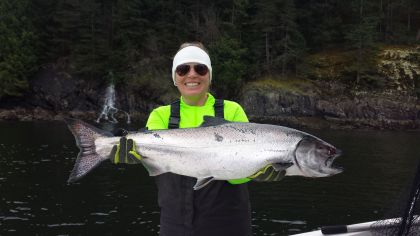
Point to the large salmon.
(217, 150)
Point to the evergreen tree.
(320, 22)
(17, 52)
(281, 42)
(265, 24)
(64, 27)
(42, 14)
(148, 33)
(93, 43)
(362, 36)
(397, 20)
(136, 39)
(232, 17)
(228, 67)
(291, 45)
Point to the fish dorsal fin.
(201, 182)
(213, 121)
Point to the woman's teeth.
(191, 84)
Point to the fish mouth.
(332, 167)
(315, 158)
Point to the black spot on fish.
(157, 135)
(218, 137)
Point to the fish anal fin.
(281, 166)
(202, 182)
(213, 121)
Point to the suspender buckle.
(174, 120)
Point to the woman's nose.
(191, 72)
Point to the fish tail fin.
(88, 158)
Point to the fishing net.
(408, 224)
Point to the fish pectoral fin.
(281, 166)
(201, 182)
(152, 168)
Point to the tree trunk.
(285, 53)
(232, 20)
(409, 7)
(387, 19)
(93, 42)
(409, 20)
(390, 17)
(380, 22)
(197, 19)
(110, 18)
(360, 46)
(267, 51)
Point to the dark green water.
(37, 157)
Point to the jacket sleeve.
(158, 118)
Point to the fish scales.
(218, 150)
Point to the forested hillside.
(134, 40)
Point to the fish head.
(314, 157)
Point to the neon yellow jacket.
(192, 116)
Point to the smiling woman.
(192, 73)
(221, 207)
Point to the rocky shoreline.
(327, 101)
(313, 108)
(321, 100)
(309, 107)
(311, 122)
(303, 105)
(41, 114)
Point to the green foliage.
(247, 39)
(342, 65)
(17, 54)
(290, 84)
(362, 36)
(228, 68)
(322, 21)
(277, 40)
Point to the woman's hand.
(125, 152)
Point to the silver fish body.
(218, 150)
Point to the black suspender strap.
(218, 108)
(175, 116)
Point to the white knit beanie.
(191, 54)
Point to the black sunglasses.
(200, 69)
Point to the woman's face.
(192, 80)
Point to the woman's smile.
(193, 86)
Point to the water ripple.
(64, 225)
(14, 218)
(99, 214)
(293, 222)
